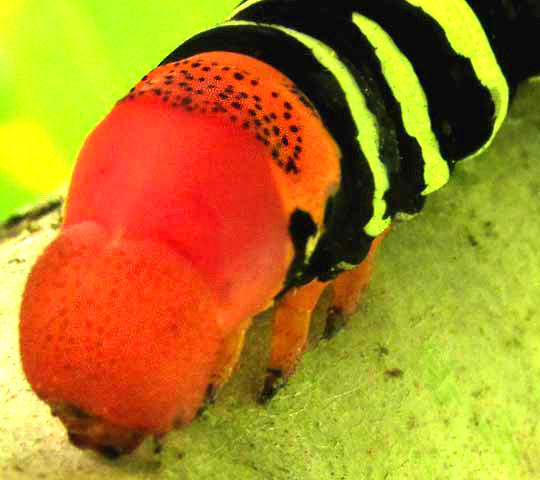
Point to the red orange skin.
(175, 234)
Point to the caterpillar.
(261, 161)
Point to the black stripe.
(513, 30)
(400, 152)
(344, 238)
(460, 107)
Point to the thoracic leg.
(227, 358)
(347, 289)
(290, 330)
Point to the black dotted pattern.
(196, 84)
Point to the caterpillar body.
(262, 160)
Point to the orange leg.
(347, 289)
(228, 356)
(289, 335)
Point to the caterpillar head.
(118, 336)
(176, 232)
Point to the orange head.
(176, 233)
(119, 336)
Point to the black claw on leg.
(209, 398)
(272, 383)
(158, 445)
(335, 321)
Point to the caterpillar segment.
(264, 159)
(293, 314)
(228, 356)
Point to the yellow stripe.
(467, 37)
(408, 91)
(242, 7)
(366, 124)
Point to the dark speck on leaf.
(393, 373)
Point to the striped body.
(406, 89)
(258, 161)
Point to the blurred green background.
(63, 64)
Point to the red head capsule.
(125, 330)
(176, 234)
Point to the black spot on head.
(238, 76)
(254, 83)
(293, 128)
(236, 105)
(287, 105)
(285, 140)
(196, 64)
(276, 130)
(290, 166)
(206, 69)
(287, 116)
(275, 94)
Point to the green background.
(63, 63)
